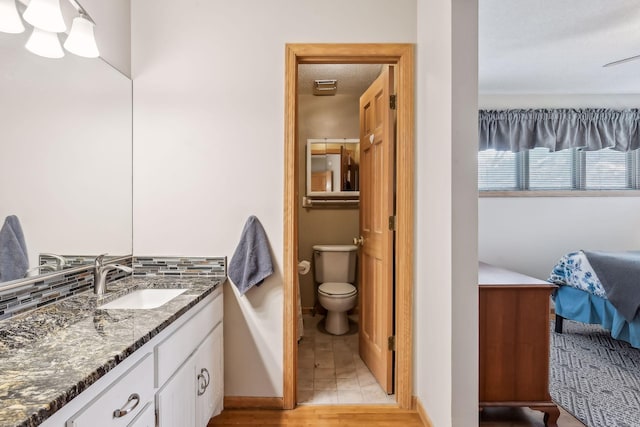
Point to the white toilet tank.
(335, 263)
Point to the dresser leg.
(551, 414)
(558, 327)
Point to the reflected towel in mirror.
(251, 262)
(14, 261)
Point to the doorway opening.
(400, 261)
(331, 368)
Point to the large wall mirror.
(65, 162)
(333, 169)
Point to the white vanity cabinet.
(176, 379)
(209, 377)
(191, 359)
(194, 393)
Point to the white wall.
(530, 234)
(65, 161)
(112, 31)
(446, 302)
(208, 132)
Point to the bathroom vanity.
(75, 364)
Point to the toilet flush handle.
(358, 241)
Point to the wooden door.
(376, 206)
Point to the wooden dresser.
(514, 341)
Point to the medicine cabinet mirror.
(333, 172)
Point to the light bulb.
(10, 21)
(44, 43)
(46, 15)
(81, 40)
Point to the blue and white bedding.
(582, 297)
(574, 270)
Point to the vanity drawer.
(129, 394)
(176, 348)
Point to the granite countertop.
(50, 355)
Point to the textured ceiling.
(558, 46)
(353, 79)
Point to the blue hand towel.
(251, 262)
(14, 261)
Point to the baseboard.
(424, 417)
(307, 310)
(252, 402)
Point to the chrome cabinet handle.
(204, 371)
(122, 411)
(202, 386)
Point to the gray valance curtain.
(559, 129)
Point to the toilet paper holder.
(304, 267)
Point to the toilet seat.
(337, 289)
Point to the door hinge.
(392, 102)
(391, 341)
(392, 222)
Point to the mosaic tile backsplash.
(73, 260)
(48, 289)
(54, 287)
(180, 266)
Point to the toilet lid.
(336, 288)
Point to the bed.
(582, 296)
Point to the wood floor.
(320, 415)
(364, 416)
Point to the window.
(550, 170)
(606, 169)
(572, 169)
(497, 170)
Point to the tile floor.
(331, 372)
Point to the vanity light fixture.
(81, 40)
(46, 18)
(45, 15)
(10, 21)
(44, 43)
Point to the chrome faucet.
(61, 261)
(100, 273)
(39, 269)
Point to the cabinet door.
(209, 377)
(146, 418)
(176, 401)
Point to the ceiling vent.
(325, 87)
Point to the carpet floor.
(595, 377)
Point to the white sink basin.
(143, 299)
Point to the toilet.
(335, 272)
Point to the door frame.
(402, 56)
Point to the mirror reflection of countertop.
(50, 355)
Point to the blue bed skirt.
(575, 304)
